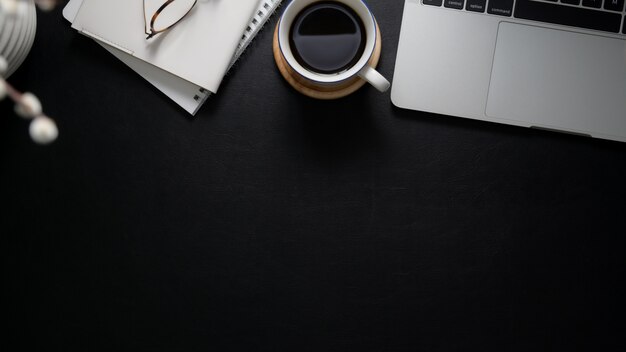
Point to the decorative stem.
(12, 93)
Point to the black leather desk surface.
(272, 222)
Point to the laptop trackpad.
(559, 79)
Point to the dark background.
(273, 222)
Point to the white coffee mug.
(361, 69)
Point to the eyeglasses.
(167, 15)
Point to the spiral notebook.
(186, 94)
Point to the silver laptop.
(557, 65)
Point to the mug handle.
(374, 78)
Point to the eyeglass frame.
(156, 14)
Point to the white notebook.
(198, 49)
(186, 94)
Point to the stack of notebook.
(189, 61)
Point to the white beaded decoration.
(46, 5)
(29, 106)
(43, 130)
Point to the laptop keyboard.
(601, 15)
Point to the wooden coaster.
(320, 92)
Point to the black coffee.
(327, 37)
